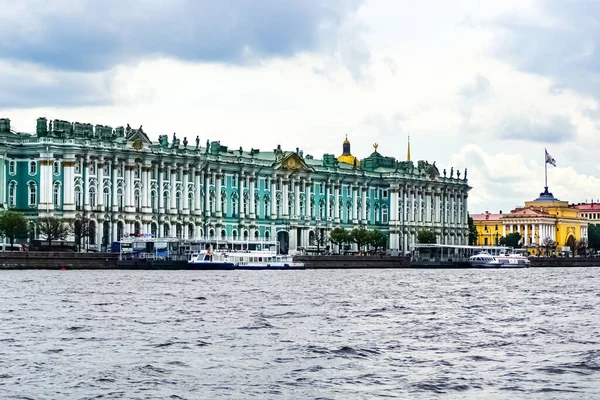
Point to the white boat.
(257, 259)
(484, 260)
(513, 260)
(205, 259)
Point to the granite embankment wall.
(560, 262)
(352, 262)
(57, 260)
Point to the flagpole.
(546, 174)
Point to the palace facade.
(126, 184)
(543, 219)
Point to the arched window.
(278, 208)
(166, 199)
(32, 167)
(56, 194)
(224, 204)
(12, 167)
(56, 168)
(78, 197)
(32, 194)
(154, 229)
(92, 197)
(190, 200)
(223, 234)
(153, 201)
(120, 198)
(106, 197)
(138, 200)
(178, 201)
(12, 194)
(190, 231)
(267, 236)
(256, 235)
(167, 230)
(92, 231)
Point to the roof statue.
(452, 172)
(408, 151)
(465, 174)
(185, 142)
(197, 142)
(347, 156)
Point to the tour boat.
(483, 260)
(250, 259)
(513, 260)
(205, 259)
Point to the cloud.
(385, 125)
(478, 91)
(553, 129)
(561, 43)
(25, 85)
(507, 180)
(96, 35)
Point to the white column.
(252, 199)
(160, 194)
(207, 194)
(185, 192)
(100, 190)
(218, 211)
(363, 204)
(526, 237)
(285, 187)
(336, 203)
(86, 183)
(354, 204)
(114, 185)
(197, 195)
(296, 198)
(242, 183)
(273, 198)
(173, 205)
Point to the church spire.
(408, 151)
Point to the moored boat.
(257, 259)
(483, 260)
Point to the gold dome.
(346, 141)
(348, 159)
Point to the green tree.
(53, 229)
(426, 236)
(339, 236)
(13, 225)
(360, 236)
(581, 247)
(511, 240)
(377, 239)
(472, 232)
(594, 236)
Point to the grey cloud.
(564, 47)
(386, 125)
(24, 86)
(479, 90)
(96, 35)
(557, 129)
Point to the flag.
(550, 159)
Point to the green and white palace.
(125, 184)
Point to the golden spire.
(408, 152)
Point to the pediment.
(292, 162)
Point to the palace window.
(32, 167)
(107, 169)
(190, 200)
(120, 198)
(235, 180)
(92, 168)
(138, 200)
(277, 184)
(78, 166)
(106, 193)
(56, 168)
(223, 179)
(266, 215)
(12, 167)
(166, 199)
(77, 197)
(267, 183)
(93, 196)
(136, 171)
(12, 194)
(224, 206)
(32, 194)
(384, 194)
(278, 208)
(384, 215)
(211, 180)
(56, 194)
(153, 204)
(178, 200)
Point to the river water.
(329, 334)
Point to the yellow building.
(539, 221)
(347, 156)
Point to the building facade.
(543, 219)
(127, 185)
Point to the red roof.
(586, 206)
(486, 216)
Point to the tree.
(511, 240)
(426, 236)
(548, 244)
(339, 236)
(360, 236)
(319, 239)
(13, 225)
(472, 233)
(581, 246)
(81, 231)
(53, 229)
(594, 236)
(377, 239)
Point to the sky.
(482, 85)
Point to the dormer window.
(56, 168)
